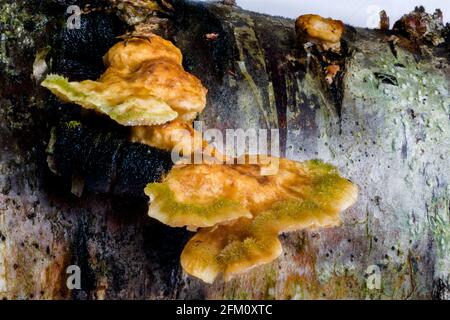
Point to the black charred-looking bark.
(106, 162)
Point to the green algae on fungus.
(167, 209)
(235, 248)
(286, 215)
(124, 107)
(144, 84)
(317, 165)
(227, 249)
(311, 195)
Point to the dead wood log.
(385, 125)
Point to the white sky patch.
(360, 13)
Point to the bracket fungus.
(330, 72)
(144, 84)
(240, 212)
(326, 33)
(238, 209)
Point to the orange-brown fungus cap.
(144, 84)
(242, 212)
(325, 32)
(134, 51)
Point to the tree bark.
(389, 137)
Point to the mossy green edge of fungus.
(169, 205)
(123, 113)
(61, 86)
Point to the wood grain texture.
(391, 140)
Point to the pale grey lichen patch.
(392, 143)
(13, 16)
(39, 64)
(396, 135)
(439, 223)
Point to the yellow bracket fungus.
(324, 32)
(242, 212)
(144, 84)
(126, 106)
(239, 209)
